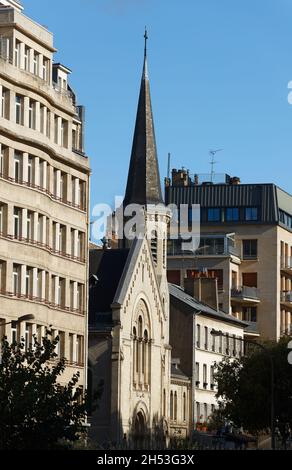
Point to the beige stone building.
(44, 191)
(245, 242)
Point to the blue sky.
(218, 69)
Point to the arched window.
(140, 327)
(144, 352)
(184, 406)
(171, 405)
(141, 347)
(175, 406)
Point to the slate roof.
(143, 185)
(105, 270)
(197, 306)
(176, 372)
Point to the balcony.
(286, 298)
(245, 295)
(210, 246)
(286, 264)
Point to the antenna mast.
(212, 162)
(168, 165)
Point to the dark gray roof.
(199, 307)
(262, 196)
(143, 185)
(252, 327)
(176, 372)
(105, 270)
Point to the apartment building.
(192, 322)
(44, 192)
(246, 243)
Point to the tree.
(35, 410)
(244, 387)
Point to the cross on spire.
(146, 38)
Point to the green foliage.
(244, 387)
(36, 411)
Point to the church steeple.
(143, 185)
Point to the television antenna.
(212, 153)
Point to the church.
(129, 307)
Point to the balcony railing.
(286, 262)
(43, 190)
(245, 292)
(29, 297)
(174, 248)
(29, 241)
(286, 296)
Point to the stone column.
(37, 116)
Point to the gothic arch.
(141, 346)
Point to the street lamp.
(247, 341)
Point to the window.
(251, 213)
(45, 69)
(29, 226)
(28, 282)
(175, 406)
(64, 133)
(17, 215)
(19, 109)
(250, 279)
(61, 344)
(205, 383)
(32, 114)
(213, 342)
(28, 336)
(227, 344)
(184, 406)
(36, 59)
(18, 167)
(249, 314)
(17, 54)
(198, 336)
(2, 276)
(79, 244)
(79, 349)
(79, 297)
(71, 347)
(26, 58)
(220, 343)
(206, 337)
(16, 279)
(39, 284)
(4, 111)
(249, 249)
(198, 411)
(214, 215)
(14, 332)
(232, 214)
(212, 377)
(30, 170)
(197, 374)
(171, 405)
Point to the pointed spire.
(143, 185)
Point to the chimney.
(204, 289)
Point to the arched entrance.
(140, 431)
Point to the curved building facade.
(44, 192)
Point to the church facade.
(129, 308)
